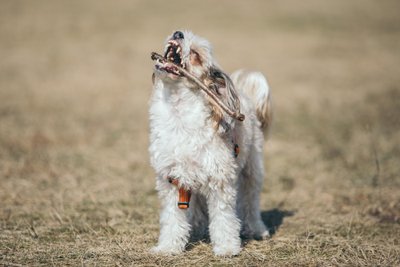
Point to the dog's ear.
(219, 82)
(223, 86)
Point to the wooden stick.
(214, 98)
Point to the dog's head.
(195, 55)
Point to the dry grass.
(76, 187)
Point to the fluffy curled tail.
(255, 86)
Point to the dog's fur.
(193, 142)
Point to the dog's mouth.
(173, 54)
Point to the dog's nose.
(178, 35)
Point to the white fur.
(184, 144)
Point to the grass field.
(76, 187)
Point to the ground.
(76, 187)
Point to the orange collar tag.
(184, 195)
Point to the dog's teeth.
(178, 49)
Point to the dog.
(204, 150)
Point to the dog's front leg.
(224, 224)
(174, 222)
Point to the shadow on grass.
(273, 219)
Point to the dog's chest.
(180, 126)
(184, 141)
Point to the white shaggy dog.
(193, 143)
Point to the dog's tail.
(255, 86)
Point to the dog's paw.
(227, 250)
(265, 235)
(165, 250)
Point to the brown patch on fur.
(195, 58)
(264, 115)
(214, 83)
(153, 78)
(216, 116)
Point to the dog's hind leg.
(224, 225)
(198, 217)
(174, 222)
(248, 201)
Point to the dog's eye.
(195, 58)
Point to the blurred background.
(76, 186)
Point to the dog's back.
(255, 86)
